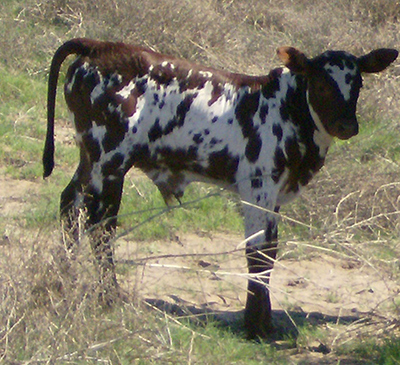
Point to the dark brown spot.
(270, 89)
(277, 131)
(257, 181)
(216, 93)
(162, 75)
(263, 113)
(92, 147)
(181, 111)
(215, 141)
(245, 111)
(110, 167)
(222, 165)
(198, 138)
(155, 131)
(280, 164)
(177, 159)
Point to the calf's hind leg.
(71, 203)
(100, 196)
(102, 208)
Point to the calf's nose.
(347, 129)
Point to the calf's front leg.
(260, 254)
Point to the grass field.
(347, 219)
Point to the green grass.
(208, 342)
(22, 125)
(203, 208)
(385, 352)
(120, 335)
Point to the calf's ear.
(377, 60)
(293, 59)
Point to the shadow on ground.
(286, 323)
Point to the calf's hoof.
(257, 315)
(260, 330)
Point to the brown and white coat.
(262, 137)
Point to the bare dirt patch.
(205, 270)
(14, 195)
(198, 275)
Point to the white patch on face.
(321, 137)
(340, 78)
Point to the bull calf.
(263, 137)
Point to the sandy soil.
(14, 194)
(197, 274)
(331, 285)
(201, 270)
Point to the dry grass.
(49, 308)
(228, 34)
(50, 311)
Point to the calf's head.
(333, 84)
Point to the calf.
(263, 137)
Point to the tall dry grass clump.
(44, 296)
(50, 310)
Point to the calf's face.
(333, 84)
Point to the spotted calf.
(263, 137)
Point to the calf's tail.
(79, 46)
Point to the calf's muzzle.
(345, 128)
